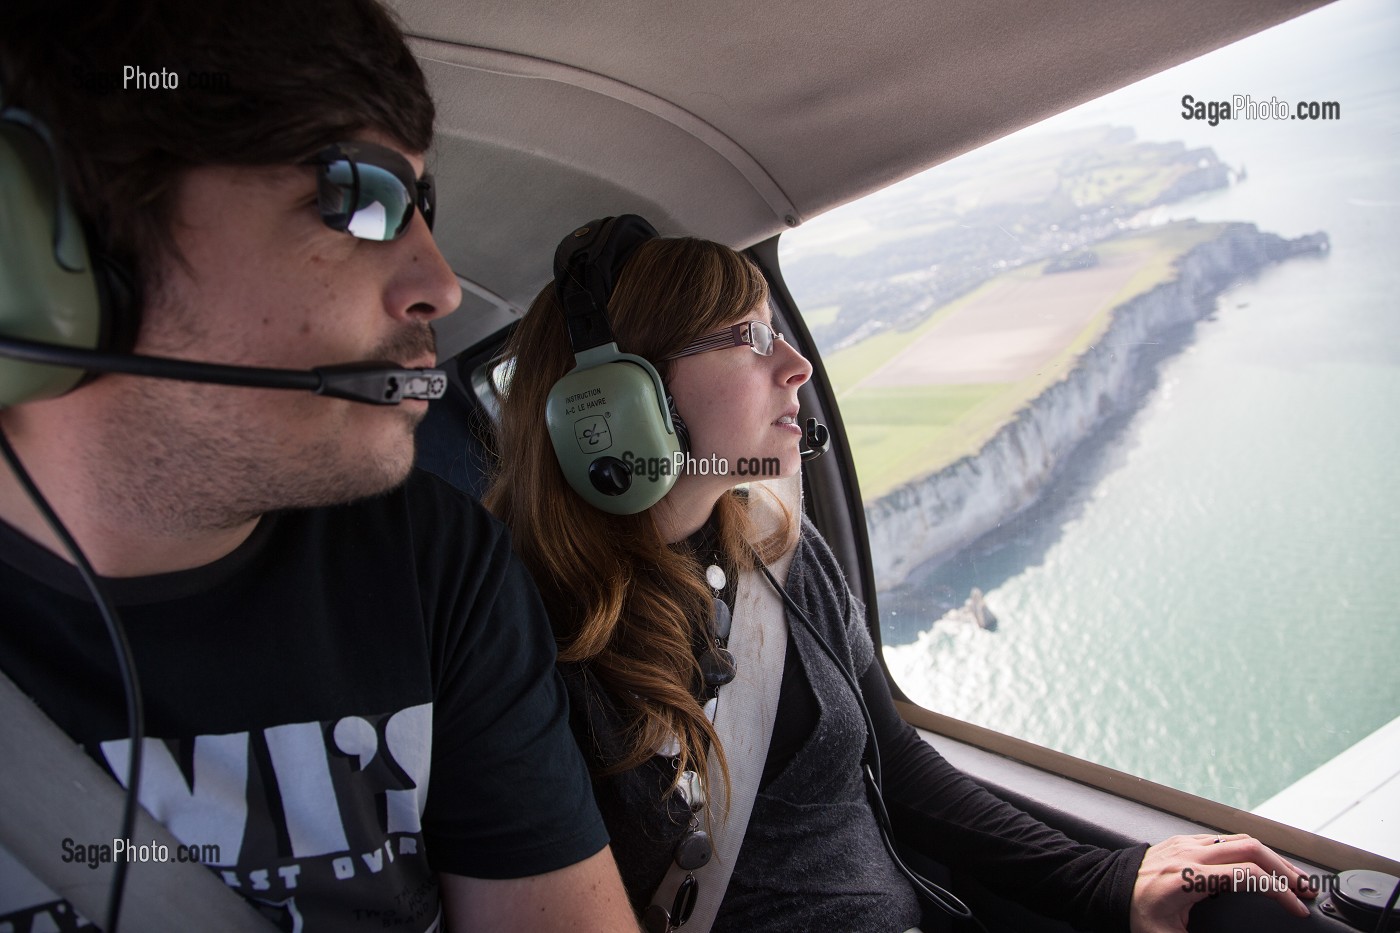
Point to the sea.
(1208, 596)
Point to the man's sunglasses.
(753, 334)
(369, 191)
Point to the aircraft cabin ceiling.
(735, 120)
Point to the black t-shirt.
(304, 694)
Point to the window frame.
(1044, 780)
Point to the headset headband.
(586, 267)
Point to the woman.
(640, 613)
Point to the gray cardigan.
(812, 857)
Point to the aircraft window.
(1128, 462)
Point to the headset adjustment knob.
(610, 476)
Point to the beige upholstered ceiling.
(736, 120)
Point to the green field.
(900, 433)
(1138, 184)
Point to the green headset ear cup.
(48, 290)
(612, 433)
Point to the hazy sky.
(1333, 54)
(1348, 52)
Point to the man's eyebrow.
(278, 177)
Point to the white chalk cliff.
(931, 518)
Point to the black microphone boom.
(815, 440)
(372, 382)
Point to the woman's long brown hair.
(622, 601)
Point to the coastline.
(927, 520)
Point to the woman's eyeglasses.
(753, 334)
(369, 191)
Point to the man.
(321, 638)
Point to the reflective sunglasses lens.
(367, 201)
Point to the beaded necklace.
(717, 669)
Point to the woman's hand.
(1178, 872)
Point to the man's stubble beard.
(182, 458)
(187, 457)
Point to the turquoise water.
(1208, 596)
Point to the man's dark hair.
(261, 82)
